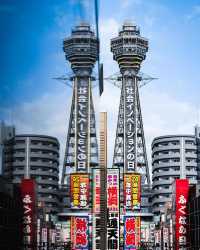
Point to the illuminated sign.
(129, 124)
(80, 233)
(132, 191)
(113, 190)
(132, 231)
(79, 190)
(96, 210)
(29, 220)
(82, 107)
(96, 191)
(113, 209)
(182, 189)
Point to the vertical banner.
(132, 191)
(28, 195)
(79, 184)
(132, 228)
(96, 209)
(113, 206)
(80, 232)
(82, 112)
(182, 190)
(130, 126)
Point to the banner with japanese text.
(113, 206)
(28, 194)
(80, 232)
(96, 209)
(132, 191)
(79, 184)
(132, 231)
(182, 190)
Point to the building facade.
(36, 157)
(11, 212)
(173, 157)
(6, 133)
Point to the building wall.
(10, 216)
(37, 157)
(173, 157)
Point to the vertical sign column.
(129, 124)
(82, 114)
(113, 209)
(96, 210)
(182, 190)
(80, 232)
(29, 216)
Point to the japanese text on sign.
(79, 190)
(182, 188)
(82, 124)
(129, 124)
(132, 191)
(28, 200)
(79, 233)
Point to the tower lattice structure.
(129, 50)
(81, 153)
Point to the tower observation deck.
(129, 50)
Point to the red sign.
(132, 232)
(113, 190)
(79, 190)
(182, 189)
(96, 191)
(79, 233)
(29, 220)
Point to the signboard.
(182, 189)
(132, 228)
(29, 220)
(79, 190)
(113, 190)
(82, 114)
(80, 233)
(129, 124)
(96, 191)
(113, 206)
(132, 191)
(96, 210)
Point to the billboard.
(132, 191)
(80, 232)
(28, 196)
(96, 209)
(113, 206)
(132, 228)
(182, 190)
(79, 184)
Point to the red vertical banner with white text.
(80, 232)
(182, 190)
(28, 195)
(113, 206)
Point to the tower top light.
(129, 48)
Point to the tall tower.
(81, 50)
(129, 50)
(81, 154)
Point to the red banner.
(29, 219)
(113, 190)
(182, 189)
(132, 231)
(79, 190)
(80, 233)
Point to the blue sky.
(31, 55)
